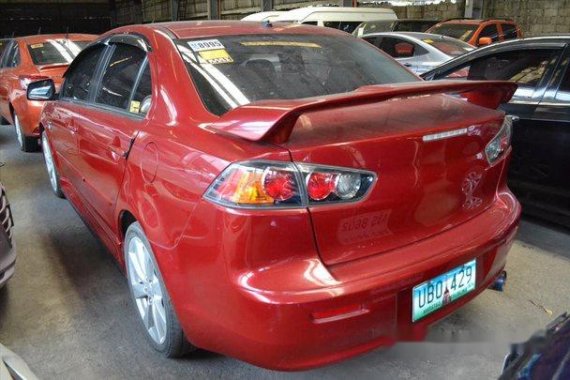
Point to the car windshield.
(233, 71)
(462, 32)
(373, 27)
(449, 46)
(55, 52)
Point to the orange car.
(27, 59)
(478, 32)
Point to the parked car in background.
(478, 32)
(199, 145)
(541, 156)
(263, 16)
(7, 249)
(31, 58)
(419, 52)
(401, 25)
(546, 355)
(342, 18)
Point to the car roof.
(561, 38)
(414, 35)
(44, 37)
(203, 29)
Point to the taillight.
(279, 184)
(501, 142)
(25, 80)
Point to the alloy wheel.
(146, 288)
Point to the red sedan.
(271, 196)
(26, 59)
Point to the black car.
(546, 355)
(402, 25)
(540, 166)
(7, 250)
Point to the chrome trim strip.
(444, 135)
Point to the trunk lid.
(427, 149)
(423, 187)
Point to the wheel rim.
(145, 285)
(19, 131)
(49, 162)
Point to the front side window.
(462, 32)
(119, 77)
(563, 93)
(55, 52)
(526, 68)
(12, 56)
(79, 79)
(236, 70)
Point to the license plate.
(432, 295)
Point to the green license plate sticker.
(432, 295)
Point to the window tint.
(79, 79)
(120, 75)
(397, 48)
(141, 101)
(523, 67)
(509, 31)
(345, 26)
(462, 32)
(563, 93)
(490, 31)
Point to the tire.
(51, 167)
(27, 143)
(150, 299)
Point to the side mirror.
(484, 41)
(41, 90)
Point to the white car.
(263, 16)
(420, 52)
(343, 18)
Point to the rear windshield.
(449, 46)
(462, 32)
(55, 52)
(232, 71)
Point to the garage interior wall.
(19, 18)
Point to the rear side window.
(79, 80)
(141, 101)
(55, 52)
(509, 31)
(120, 76)
(490, 31)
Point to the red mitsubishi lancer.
(284, 194)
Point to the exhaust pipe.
(500, 281)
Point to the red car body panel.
(13, 96)
(250, 283)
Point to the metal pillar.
(266, 5)
(174, 10)
(213, 9)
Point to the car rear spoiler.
(273, 120)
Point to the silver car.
(419, 52)
(7, 250)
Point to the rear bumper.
(271, 316)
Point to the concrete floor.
(67, 311)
